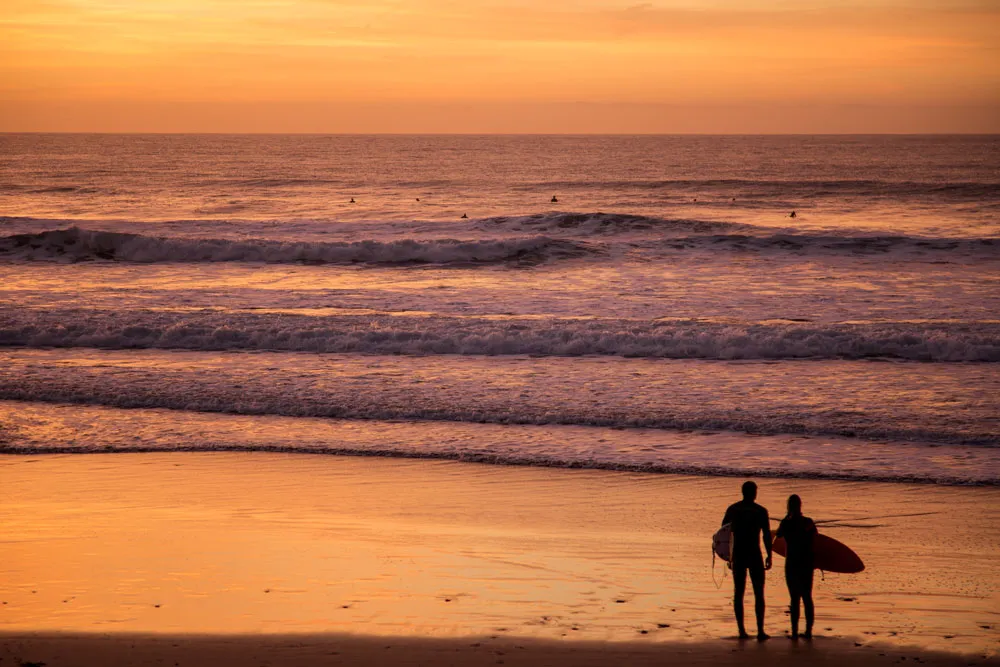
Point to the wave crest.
(657, 235)
(560, 222)
(390, 334)
(76, 244)
(817, 244)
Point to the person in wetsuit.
(748, 520)
(799, 532)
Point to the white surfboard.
(722, 543)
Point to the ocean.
(642, 303)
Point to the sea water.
(643, 303)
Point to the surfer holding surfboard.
(747, 520)
(799, 533)
(805, 549)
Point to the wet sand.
(285, 559)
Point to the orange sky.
(499, 65)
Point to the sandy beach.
(262, 558)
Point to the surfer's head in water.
(794, 505)
(749, 491)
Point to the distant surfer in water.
(799, 532)
(554, 200)
(792, 214)
(748, 520)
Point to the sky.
(711, 66)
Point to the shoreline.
(40, 428)
(266, 545)
(512, 462)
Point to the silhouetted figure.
(554, 200)
(418, 198)
(352, 201)
(464, 216)
(799, 532)
(792, 214)
(748, 520)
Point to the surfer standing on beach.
(799, 532)
(747, 520)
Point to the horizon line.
(519, 134)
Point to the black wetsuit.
(798, 533)
(747, 521)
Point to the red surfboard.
(831, 555)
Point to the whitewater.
(635, 303)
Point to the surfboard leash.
(718, 584)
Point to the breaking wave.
(419, 335)
(525, 239)
(663, 234)
(76, 244)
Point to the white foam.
(421, 335)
